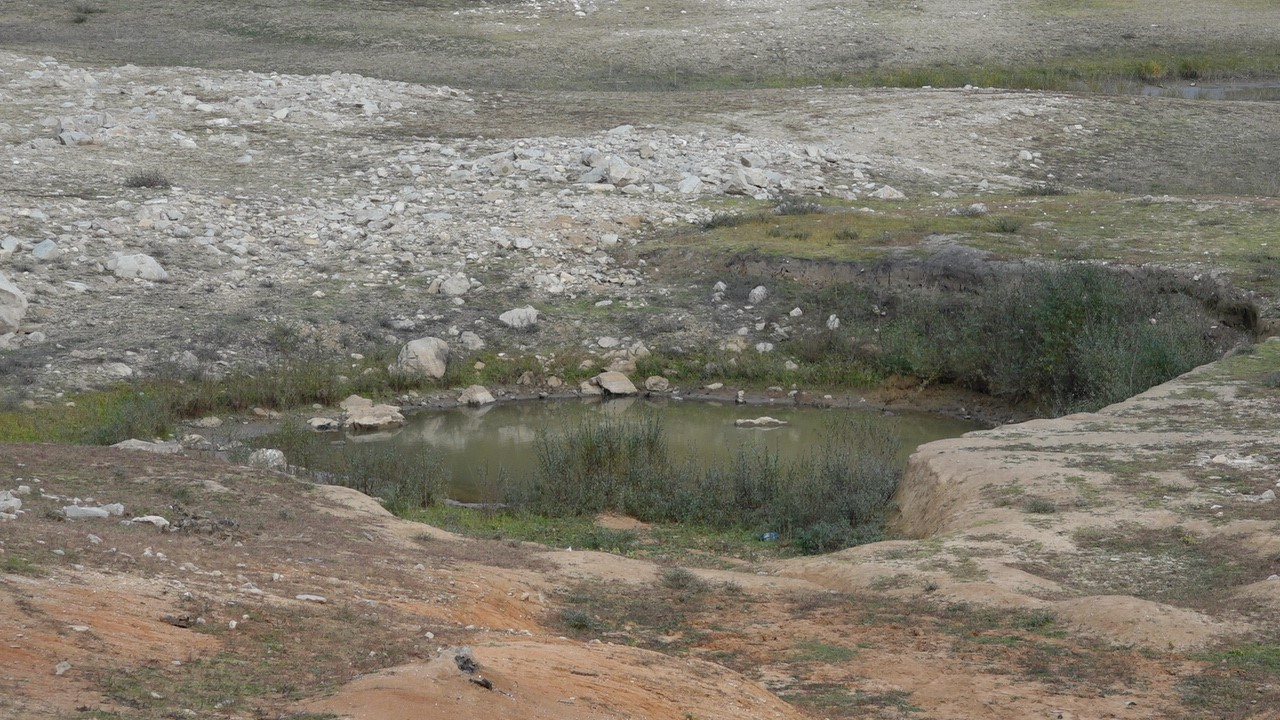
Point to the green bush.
(1065, 339)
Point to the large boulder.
(374, 417)
(455, 285)
(425, 356)
(137, 265)
(13, 305)
(614, 383)
(476, 395)
(520, 318)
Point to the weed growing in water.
(405, 479)
(832, 499)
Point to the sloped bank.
(1150, 522)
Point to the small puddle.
(477, 444)
(1228, 91)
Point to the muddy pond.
(476, 445)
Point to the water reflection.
(1231, 91)
(476, 444)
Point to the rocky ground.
(186, 214)
(315, 204)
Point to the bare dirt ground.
(275, 597)
(1108, 565)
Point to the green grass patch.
(18, 565)
(816, 651)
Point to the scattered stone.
(471, 342)
(306, 597)
(520, 318)
(159, 522)
(425, 356)
(269, 458)
(13, 305)
(757, 295)
(614, 383)
(455, 286)
(61, 668)
(138, 265)
(8, 503)
(833, 322)
(75, 512)
(375, 417)
(324, 424)
(476, 395)
(161, 448)
(656, 383)
(887, 192)
(46, 250)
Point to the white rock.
(470, 341)
(46, 250)
(763, 421)
(887, 192)
(833, 322)
(614, 383)
(155, 520)
(161, 448)
(376, 417)
(476, 395)
(656, 383)
(76, 511)
(758, 295)
(270, 458)
(323, 424)
(306, 597)
(9, 503)
(455, 286)
(13, 305)
(425, 356)
(137, 265)
(520, 318)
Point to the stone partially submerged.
(614, 383)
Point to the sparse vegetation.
(148, 179)
(406, 479)
(1005, 224)
(831, 500)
